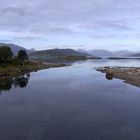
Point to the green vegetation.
(6, 54)
(22, 56)
(7, 58)
(11, 65)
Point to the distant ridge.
(135, 55)
(101, 53)
(106, 53)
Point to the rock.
(130, 75)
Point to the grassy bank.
(10, 71)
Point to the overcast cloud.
(91, 24)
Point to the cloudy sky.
(85, 24)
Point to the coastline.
(11, 71)
(117, 69)
(130, 75)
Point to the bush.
(15, 62)
(22, 56)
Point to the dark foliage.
(6, 54)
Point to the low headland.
(10, 71)
(12, 66)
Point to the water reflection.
(74, 103)
(56, 60)
(6, 85)
(21, 81)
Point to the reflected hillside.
(20, 82)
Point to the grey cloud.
(107, 24)
(26, 38)
(116, 24)
(59, 16)
(13, 10)
(52, 30)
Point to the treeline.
(7, 56)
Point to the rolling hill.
(135, 55)
(59, 55)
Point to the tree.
(22, 56)
(5, 54)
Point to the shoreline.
(130, 75)
(118, 69)
(10, 71)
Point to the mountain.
(123, 53)
(100, 53)
(57, 53)
(106, 53)
(15, 48)
(82, 51)
(135, 55)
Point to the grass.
(10, 70)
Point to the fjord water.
(71, 103)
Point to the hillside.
(57, 53)
(16, 48)
(124, 53)
(135, 55)
(106, 53)
(64, 56)
(101, 53)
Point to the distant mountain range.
(136, 55)
(106, 53)
(15, 48)
(71, 52)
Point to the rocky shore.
(11, 71)
(129, 75)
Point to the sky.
(86, 24)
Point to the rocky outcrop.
(130, 75)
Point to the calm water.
(70, 103)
